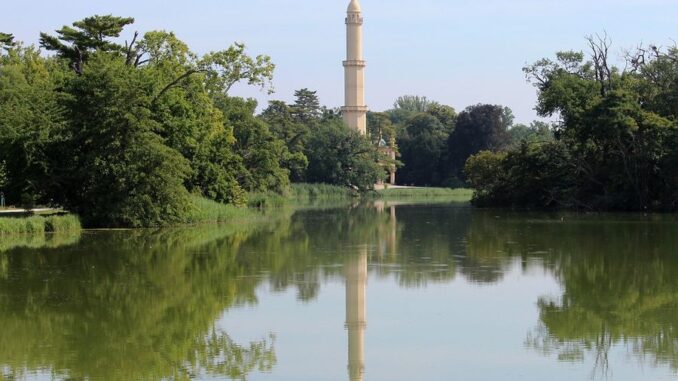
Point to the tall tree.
(407, 106)
(32, 123)
(6, 41)
(480, 127)
(282, 123)
(120, 171)
(422, 148)
(306, 107)
(338, 155)
(91, 34)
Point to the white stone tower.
(354, 111)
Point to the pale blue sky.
(458, 52)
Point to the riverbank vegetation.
(39, 224)
(447, 194)
(124, 134)
(616, 142)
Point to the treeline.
(434, 142)
(616, 142)
(124, 134)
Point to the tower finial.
(354, 7)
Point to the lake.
(378, 291)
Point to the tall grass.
(266, 200)
(448, 194)
(305, 192)
(300, 194)
(39, 224)
(207, 211)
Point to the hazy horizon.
(455, 52)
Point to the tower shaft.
(354, 111)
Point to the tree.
(306, 107)
(446, 115)
(6, 41)
(480, 127)
(613, 141)
(422, 148)
(340, 156)
(379, 127)
(32, 123)
(283, 125)
(407, 106)
(261, 154)
(87, 36)
(536, 132)
(114, 167)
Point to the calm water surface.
(374, 292)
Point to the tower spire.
(354, 111)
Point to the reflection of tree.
(129, 305)
(218, 355)
(618, 277)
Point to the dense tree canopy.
(479, 127)
(615, 142)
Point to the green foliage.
(31, 124)
(285, 125)
(306, 107)
(407, 106)
(227, 67)
(39, 224)
(421, 128)
(87, 36)
(426, 194)
(129, 131)
(205, 211)
(536, 132)
(313, 192)
(61, 224)
(6, 41)
(380, 127)
(260, 154)
(480, 127)
(121, 172)
(422, 148)
(613, 143)
(485, 174)
(340, 156)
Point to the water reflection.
(145, 305)
(356, 321)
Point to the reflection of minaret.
(394, 232)
(356, 281)
(354, 111)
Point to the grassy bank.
(423, 194)
(301, 194)
(39, 224)
(312, 194)
(205, 211)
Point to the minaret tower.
(355, 111)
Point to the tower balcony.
(355, 109)
(354, 18)
(355, 63)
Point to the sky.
(456, 52)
